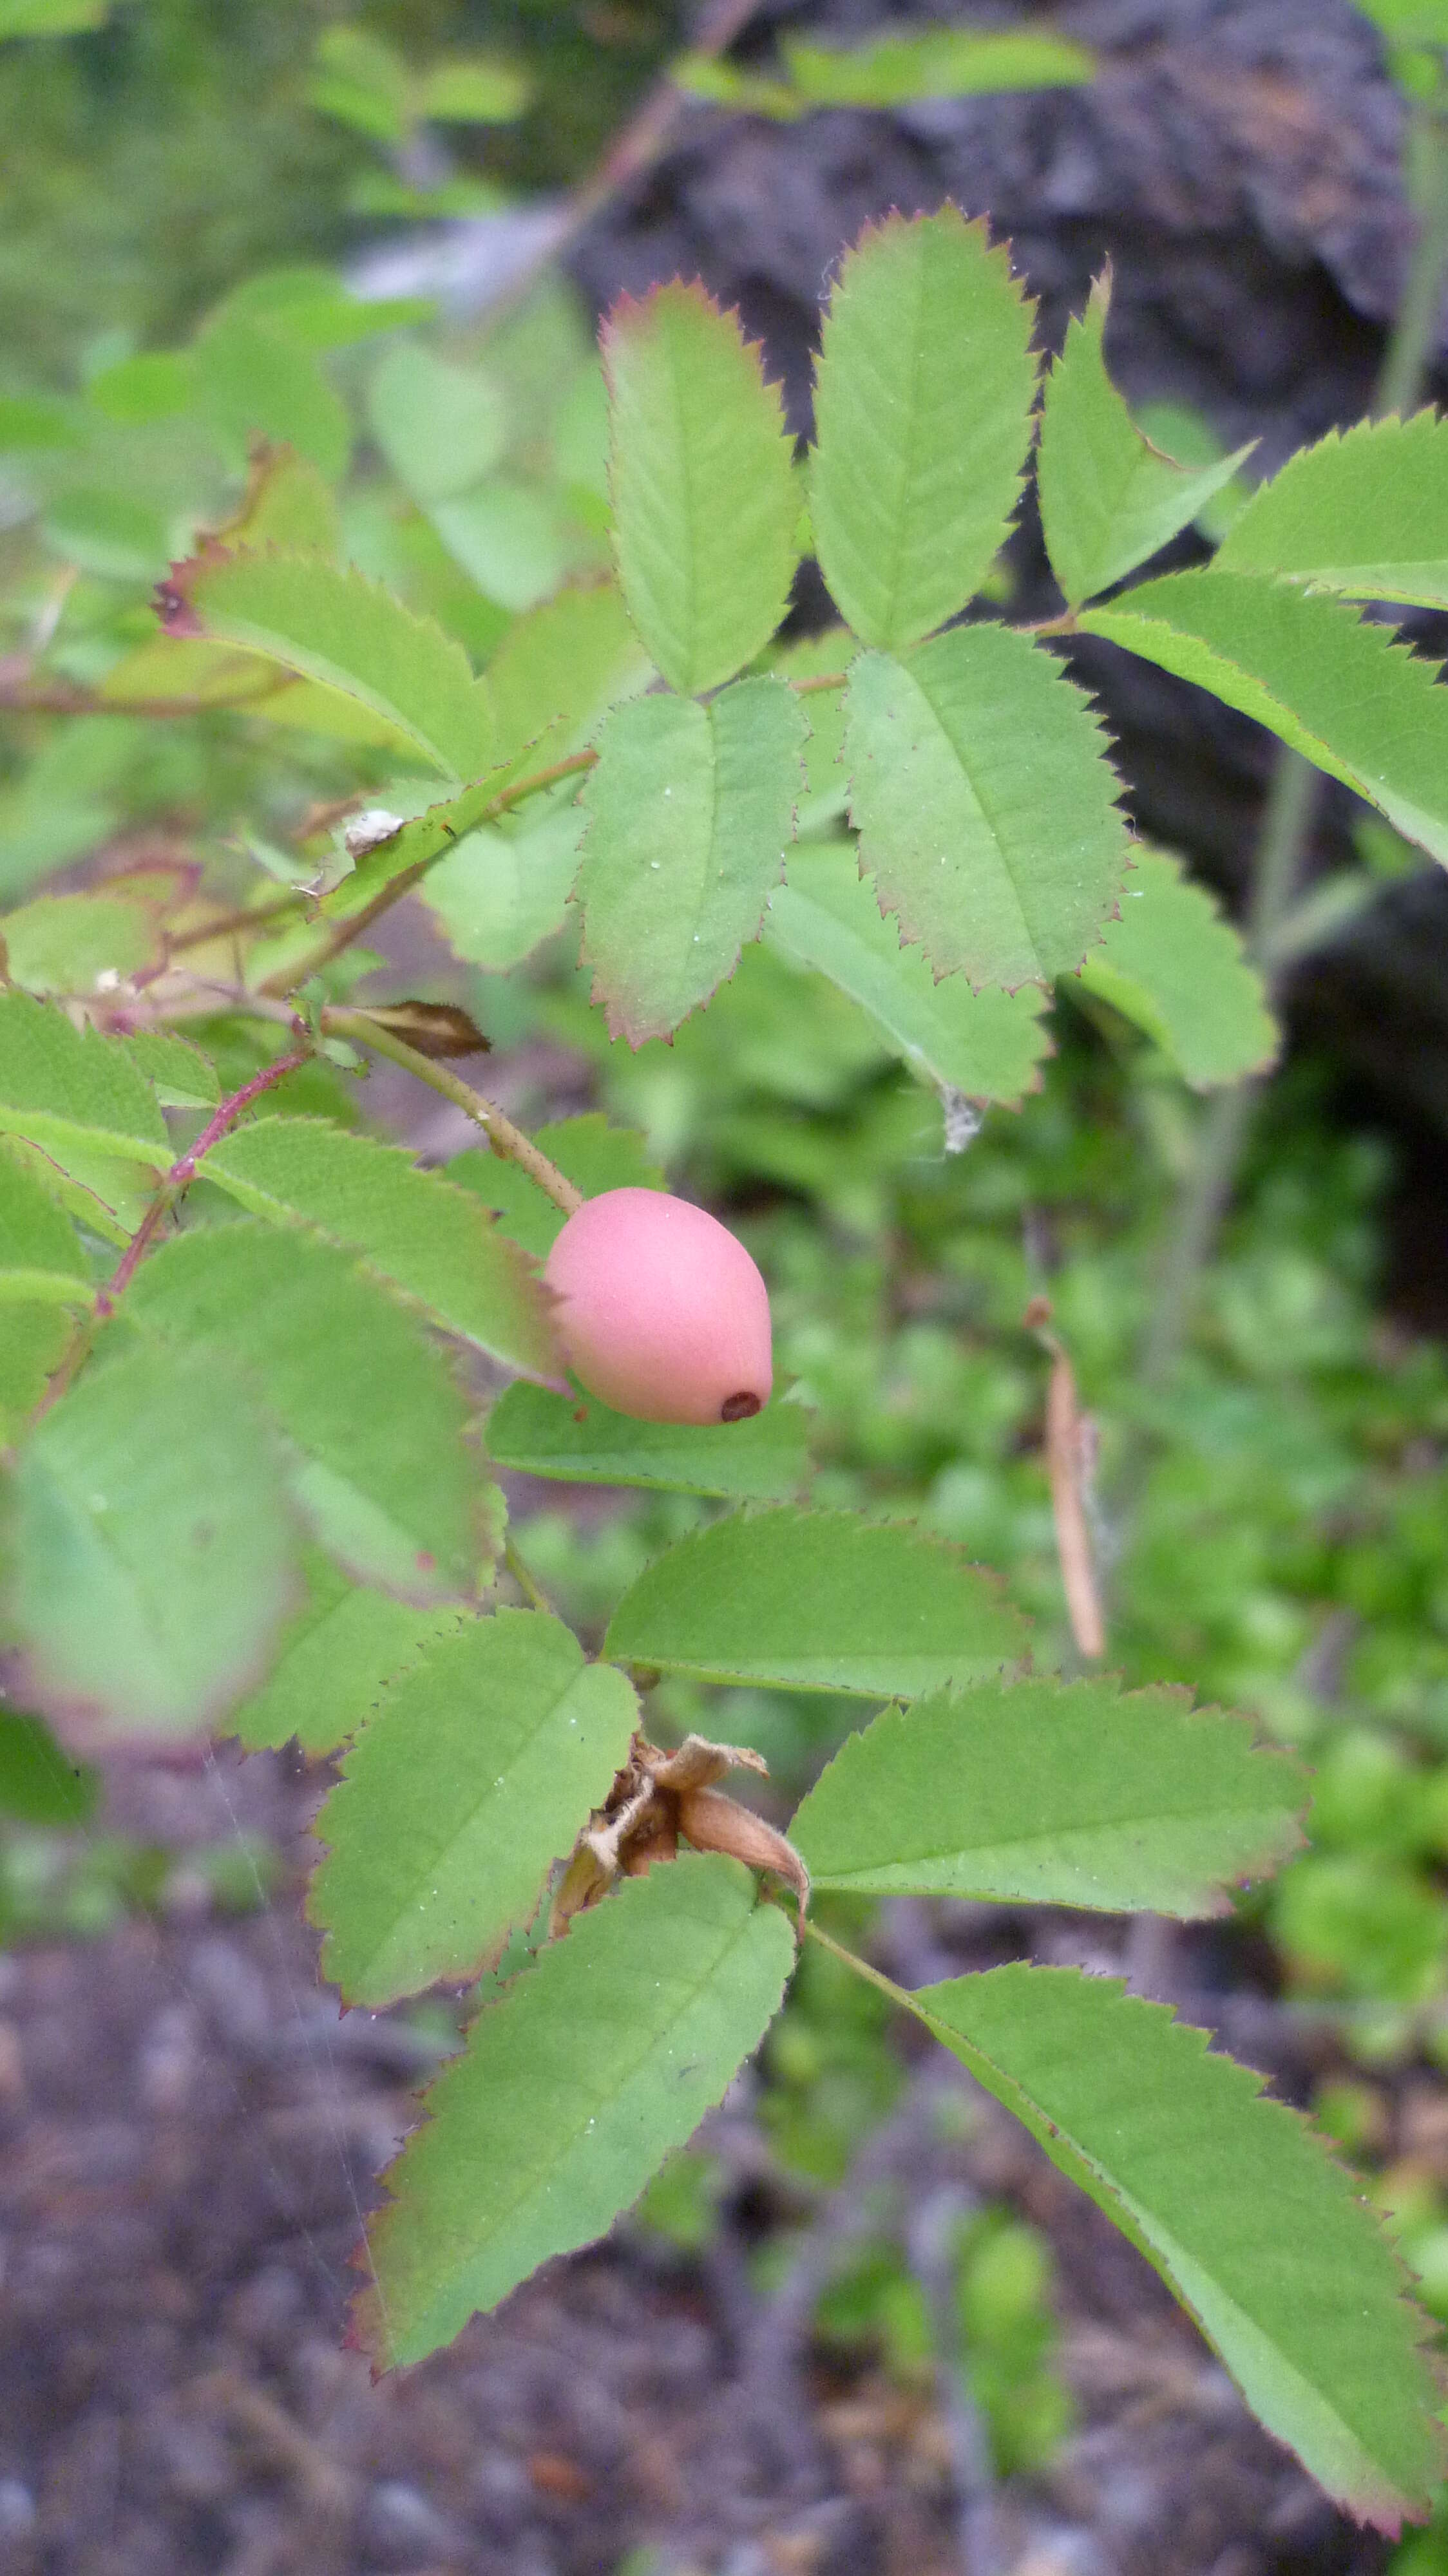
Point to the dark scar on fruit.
(738, 1408)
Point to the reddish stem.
(183, 1171)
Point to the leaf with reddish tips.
(704, 498)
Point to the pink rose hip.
(661, 1312)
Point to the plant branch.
(506, 1140)
(173, 1182)
(341, 934)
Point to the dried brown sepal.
(438, 1029)
(712, 1822)
(659, 1798)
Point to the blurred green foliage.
(1286, 1551)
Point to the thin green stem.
(506, 1140)
(899, 1995)
(526, 1580)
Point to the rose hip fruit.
(661, 1312)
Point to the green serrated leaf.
(576, 1438)
(560, 668)
(77, 943)
(440, 426)
(104, 1193)
(1233, 2200)
(1173, 967)
(289, 503)
(41, 1262)
(338, 1658)
(1003, 869)
(1109, 498)
(1363, 513)
(818, 1601)
(703, 485)
(177, 1071)
(67, 1089)
(419, 1886)
(420, 1233)
(334, 626)
(922, 421)
(570, 2092)
(372, 1420)
(499, 894)
(1333, 687)
(987, 1045)
(933, 62)
(150, 1551)
(590, 1153)
(689, 812)
(1051, 1793)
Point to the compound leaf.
(578, 1439)
(818, 1601)
(1335, 689)
(1173, 967)
(1109, 498)
(986, 1045)
(477, 1773)
(150, 1553)
(922, 422)
(423, 1235)
(571, 2090)
(1364, 513)
(372, 1421)
(338, 1656)
(1232, 2198)
(1003, 869)
(689, 811)
(70, 1090)
(334, 626)
(702, 475)
(1053, 1793)
(590, 1153)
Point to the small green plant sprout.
(246, 1487)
